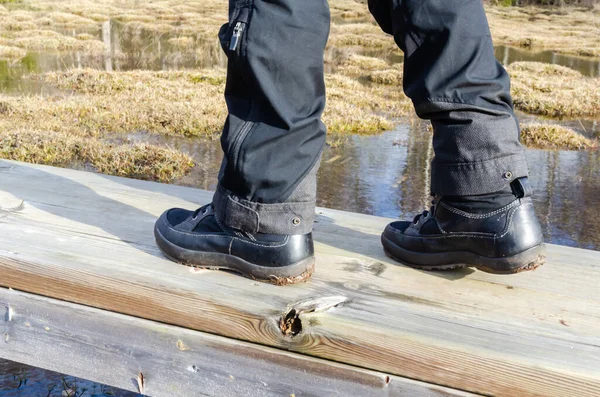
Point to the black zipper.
(236, 38)
(240, 138)
(239, 31)
(236, 46)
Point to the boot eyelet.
(296, 221)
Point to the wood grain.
(87, 239)
(113, 349)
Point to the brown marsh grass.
(140, 161)
(555, 91)
(549, 136)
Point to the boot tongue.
(193, 220)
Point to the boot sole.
(285, 275)
(527, 260)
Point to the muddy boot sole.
(525, 261)
(285, 275)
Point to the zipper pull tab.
(237, 35)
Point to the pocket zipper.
(238, 31)
(242, 19)
(235, 46)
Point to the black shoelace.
(426, 213)
(203, 210)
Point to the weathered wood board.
(87, 239)
(114, 349)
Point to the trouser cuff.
(484, 177)
(279, 218)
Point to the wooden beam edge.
(115, 349)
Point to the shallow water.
(384, 175)
(388, 175)
(586, 66)
(17, 380)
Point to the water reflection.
(586, 66)
(388, 175)
(125, 48)
(18, 380)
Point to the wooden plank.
(113, 349)
(87, 238)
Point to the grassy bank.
(183, 103)
(364, 97)
(62, 149)
(555, 91)
(548, 136)
(565, 30)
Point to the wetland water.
(18, 380)
(384, 175)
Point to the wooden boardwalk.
(84, 291)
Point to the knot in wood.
(290, 323)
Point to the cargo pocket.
(224, 37)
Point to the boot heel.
(525, 261)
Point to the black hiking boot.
(198, 239)
(505, 241)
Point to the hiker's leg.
(261, 218)
(275, 94)
(479, 173)
(454, 80)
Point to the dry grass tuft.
(51, 40)
(556, 29)
(387, 77)
(142, 161)
(85, 36)
(371, 69)
(181, 103)
(555, 91)
(359, 65)
(61, 149)
(348, 9)
(355, 108)
(366, 34)
(11, 53)
(182, 42)
(548, 136)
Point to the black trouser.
(275, 94)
